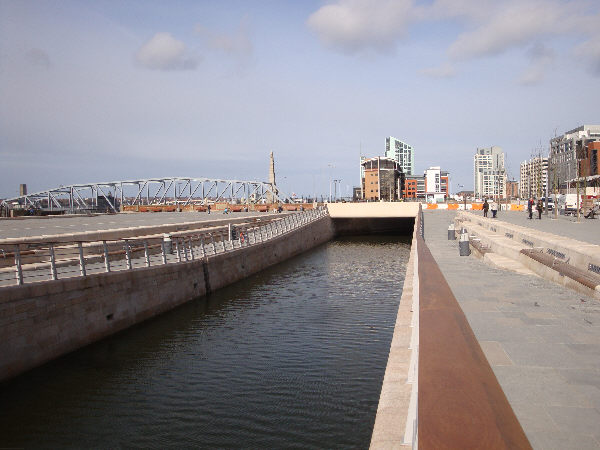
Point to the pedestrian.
(208, 208)
(530, 207)
(486, 206)
(539, 208)
(494, 208)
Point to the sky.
(95, 91)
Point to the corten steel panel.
(461, 403)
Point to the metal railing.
(53, 261)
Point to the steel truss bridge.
(112, 196)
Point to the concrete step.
(505, 263)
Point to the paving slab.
(586, 230)
(541, 339)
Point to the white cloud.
(516, 25)
(444, 71)
(589, 52)
(352, 26)
(541, 59)
(164, 52)
(489, 28)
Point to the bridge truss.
(179, 191)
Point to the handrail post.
(192, 248)
(203, 254)
(163, 251)
(127, 255)
(214, 246)
(106, 260)
(81, 260)
(52, 262)
(19, 269)
(146, 253)
(185, 250)
(177, 250)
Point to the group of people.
(487, 207)
(539, 206)
(531, 203)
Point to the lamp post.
(461, 186)
(330, 167)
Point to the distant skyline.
(106, 90)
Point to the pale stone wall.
(373, 210)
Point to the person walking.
(530, 207)
(486, 206)
(494, 208)
(539, 208)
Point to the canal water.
(293, 357)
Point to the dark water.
(293, 357)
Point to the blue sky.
(109, 90)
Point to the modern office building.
(436, 185)
(534, 177)
(382, 179)
(402, 153)
(431, 187)
(573, 156)
(489, 173)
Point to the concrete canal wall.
(42, 321)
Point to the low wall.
(42, 321)
(578, 253)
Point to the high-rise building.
(489, 173)
(573, 156)
(402, 153)
(534, 177)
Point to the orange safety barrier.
(452, 205)
(477, 206)
(517, 207)
(432, 206)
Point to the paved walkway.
(37, 226)
(542, 340)
(587, 230)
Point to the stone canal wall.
(42, 321)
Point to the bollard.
(168, 243)
(451, 232)
(463, 245)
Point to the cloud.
(38, 57)
(516, 25)
(164, 52)
(352, 26)
(589, 53)
(444, 71)
(541, 58)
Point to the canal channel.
(292, 357)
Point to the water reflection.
(292, 357)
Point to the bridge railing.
(29, 263)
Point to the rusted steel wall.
(461, 403)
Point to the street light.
(331, 166)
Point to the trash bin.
(451, 232)
(463, 245)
